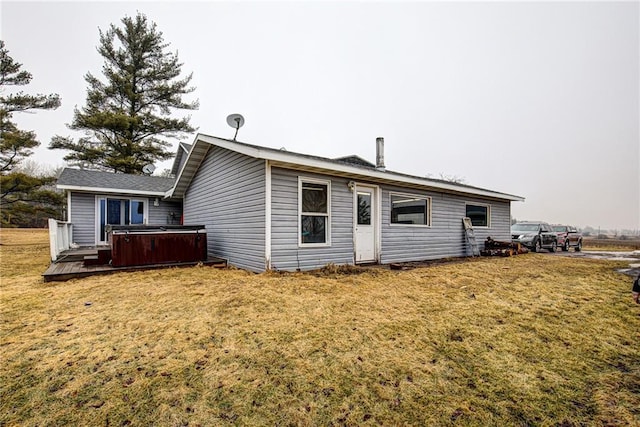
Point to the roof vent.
(380, 154)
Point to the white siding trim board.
(68, 216)
(267, 214)
(110, 190)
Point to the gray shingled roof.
(114, 181)
(364, 170)
(354, 160)
(364, 164)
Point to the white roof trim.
(294, 159)
(111, 190)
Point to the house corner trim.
(267, 215)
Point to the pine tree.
(16, 144)
(25, 199)
(28, 200)
(128, 116)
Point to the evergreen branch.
(132, 104)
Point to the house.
(265, 208)
(96, 199)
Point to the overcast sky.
(536, 99)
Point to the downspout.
(267, 215)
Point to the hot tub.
(133, 245)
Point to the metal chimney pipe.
(380, 153)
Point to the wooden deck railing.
(60, 237)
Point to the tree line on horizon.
(128, 120)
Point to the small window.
(479, 215)
(314, 212)
(364, 208)
(410, 209)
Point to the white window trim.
(488, 206)
(326, 182)
(111, 196)
(414, 196)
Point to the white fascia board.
(301, 160)
(110, 190)
(186, 170)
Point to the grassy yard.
(529, 340)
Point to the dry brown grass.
(528, 340)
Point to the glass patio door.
(119, 212)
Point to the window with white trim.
(410, 209)
(480, 215)
(314, 205)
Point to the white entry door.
(365, 224)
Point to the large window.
(315, 209)
(410, 209)
(480, 215)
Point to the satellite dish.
(235, 121)
(148, 169)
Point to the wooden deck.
(71, 269)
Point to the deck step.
(101, 257)
(104, 255)
(91, 260)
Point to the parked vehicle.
(534, 235)
(568, 237)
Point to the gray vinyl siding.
(445, 237)
(227, 196)
(165, 213)
(83, 218)
(83, 214)
(285, 252)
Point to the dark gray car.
(534, 235)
